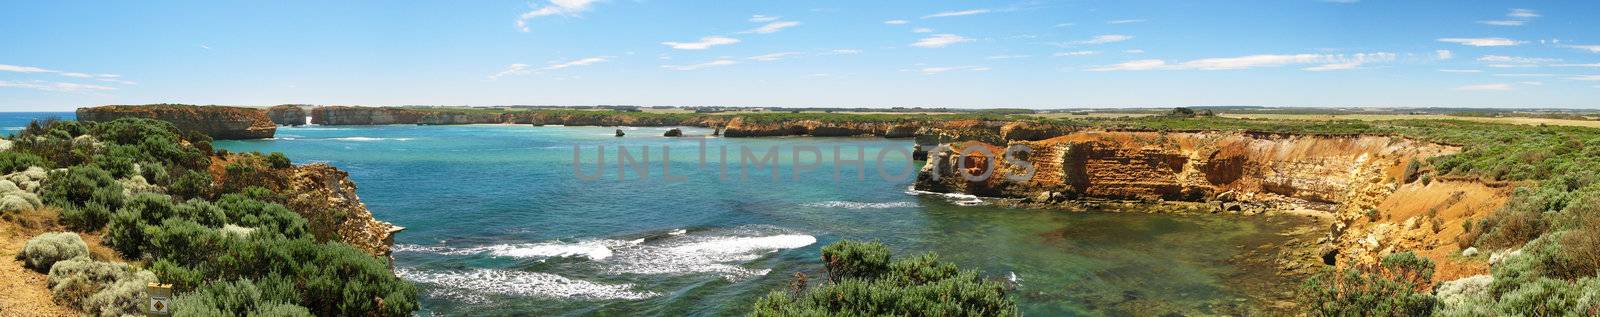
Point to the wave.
(369, 139)
(956, 198)
(861, 205)
(677, 252)
(470, 283)
(593, 250)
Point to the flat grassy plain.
(1361, 117)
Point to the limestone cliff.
(219, 122)
(287, 115)
(324, 195)
(348, 115)
(1351, 180)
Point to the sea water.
(499, 223)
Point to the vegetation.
(229, 248)
(45, 250)
(863, 282)
(1397, 287)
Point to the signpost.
(160, 299)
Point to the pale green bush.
(46, 249)
(29, 179)
(99, 288)
(15, 199)
(1466, 297)
(238, 298)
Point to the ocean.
(499, 222)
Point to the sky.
(60, 55)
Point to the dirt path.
(23, 292)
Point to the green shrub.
(237, 298)
(14, 161)
(1395, 288)
(192, 184)
(46, 249)
(850, 259)
(126, 232)
(99, 288)
(242, 210)
(15, 199)
(81, 185)
(88, 217)
(919, 286)
(278, 161)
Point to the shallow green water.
(498, 223)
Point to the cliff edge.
(218, 122)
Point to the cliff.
(287, 115)
(346, 115)
(219, 122)
(324, 195)
(1356, 182)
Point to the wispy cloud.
(842, 51)
(1325, 62)
(1517, 17)
(1518, 61)
(996, 57)
(703, 43)
(1503, 22)
(110, 78)
(1577, 65)
(1125, 21)
(579, 62)
(1443, 54)
(896, 22)
(1590, 48)
(1075, 53)
(1526, 75)
(1523, 14)
(1585, 77)
(773, 27)
(54, 86)
(714, 63)
(940, 40)
(1461, 70)
(1109, 38)
(204, 46)
(556, 7)
(24, 69)
(956, 13)
(763, 18)
(937, 70)
(1484, 41)
(773, 56)
(1486, 87)
(922, 30)
(511, 70)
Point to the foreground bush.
(99, 288)
(271, 297)
(919, 286)
(1397, 287)
(45, 250)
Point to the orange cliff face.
(1356, 182)
(219, 122)
(287, 115)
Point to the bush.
(238, 298)
(82, 185)
(99, 288)
(46, 249)
(1511, 227)
(920, 286)
(126, 232)
(191, 184)
(1395, 288)
(278, 161)
(14, 161)
(14, 199)
(849, 259)
(88, 217)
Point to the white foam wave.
(593, 250)
(861, 205)
(369, 139)
(518, 283)
(957, 198)
(676, 253)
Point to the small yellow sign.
(160, 299)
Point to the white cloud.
(922, 30)
(77, 75)
(1461, 70)
(1590, 48)
(1325, 62)
(1443, 54)
(1525, 75)
(936, 70)
(773, 56)
(23, 69)
(956, 13)
(1522, 14)
(579, 62)
(1341, 1)
(773, 27)
(1076, 53)
(1143, 64)
(1134, 51)
(1008, 56)
(1125, 21)
(703, 43)
(1585, 77)
(556, 7)
(1109, 38)
(896, 22)
(1502, 59)
(513, 69)
(1486, 87)
(842, 51)
(1577, 65)
(1485, 41)
(715, 63)
(762, 18)
(1504, 22)
(940, 40)
(1531, 83)
(53, 86)
(205, 47)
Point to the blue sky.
(59, 55)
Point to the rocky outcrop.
(219, 122)
(349, 115)
(673, 133)
(291, 115)
(317, 191)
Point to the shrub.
(88, 217)
(1510, 227)
(46, 249)
(1413, 169)
(1395, 288)
(1466, 297)
(99, 288)
(126, 232)
(81, 185)
(236, 298)
(15, 199)
(278, 161)
(192, 184)
(14, 161)
(242, 210)
(920, 286)
(849, 259)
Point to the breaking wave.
(861, 205)
(471, 284)
(956, 198)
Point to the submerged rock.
(675, 132)
(620, 134)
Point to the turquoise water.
(498, 224)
